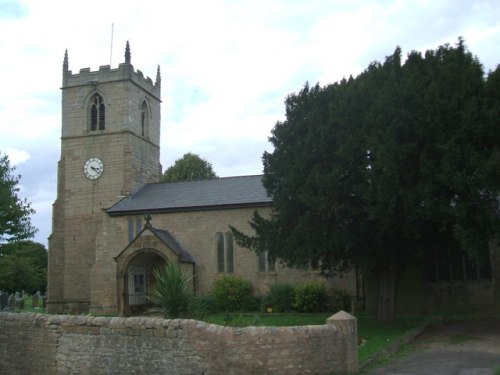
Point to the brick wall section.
(65, 344)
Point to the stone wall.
(65, 344)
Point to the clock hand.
(95, 168)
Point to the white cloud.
(17, 156)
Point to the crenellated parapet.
(125, 71)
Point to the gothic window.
(144, 120)
(265, 263)
(97, 113)
(219, 244)
(228, 247)
(224, 251)
(130, 230)
(138, 227)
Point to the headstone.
(34, 299)
(4, 301)
(12, 302)
(19, 301)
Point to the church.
(113, 222)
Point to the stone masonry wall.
(65, 344)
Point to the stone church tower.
(110, 145)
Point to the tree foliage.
(15, 212)
(189, 168)
(370, 171)
(23, 266)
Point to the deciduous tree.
(23, 266)
(188, 168)
(15, 212)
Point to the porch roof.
(168, 239)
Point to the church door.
(137, 286)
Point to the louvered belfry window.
(97, 113)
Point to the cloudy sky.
(226, 66)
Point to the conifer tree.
(371, 171)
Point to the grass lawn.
(374, 336)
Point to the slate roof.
(168, 239)
(220, 193)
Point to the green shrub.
(281, 298)
(204, 305)
(232, 293)
(251, 303)
(171, 294)
(310, 297)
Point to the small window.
(133, 228)
(219, 243)
(144, 120)
(138, 226)
(97, 113)
(228, 246)
(130, 230)
(266, 264)
(225, 255)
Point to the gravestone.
(19, 298)
(11, 302)
(4, 301)
(35, 299)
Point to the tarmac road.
(453, 348)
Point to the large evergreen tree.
(188, 168)
(15, 223)
(372, 171)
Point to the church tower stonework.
(110, 145)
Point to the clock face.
(93, 168)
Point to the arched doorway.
(138, 278)
(151, 248)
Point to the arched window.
(97, 113)
(265, 264)
(228, 247)
(224, 251)
(219, 247)
(138, 227)
(144, 120)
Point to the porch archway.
(135, 279)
